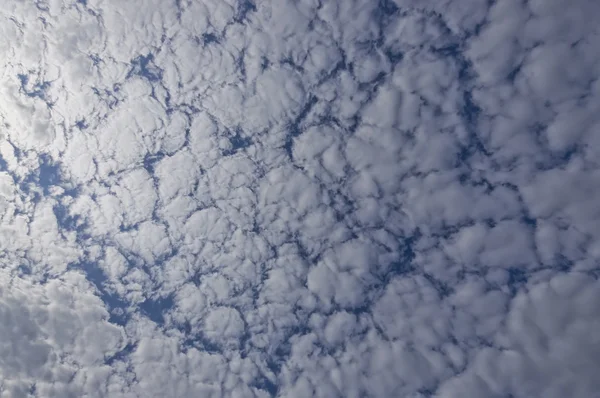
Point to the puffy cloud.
(299, 199)
(56, 338)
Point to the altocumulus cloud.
(353, 198)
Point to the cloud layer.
(299, 199)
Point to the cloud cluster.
(299, 199)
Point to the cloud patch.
(302, 199)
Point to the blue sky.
(299, 199)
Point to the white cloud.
(344, 199)
(54, 333)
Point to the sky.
(309, 198)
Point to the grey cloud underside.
(299, 199)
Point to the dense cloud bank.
(299, 198)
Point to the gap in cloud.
(155, 309)
(37, 90)
(150, 161)
(45, 176)
(564, 264)
(292, 64)
(238, 142)
(82, 124)
(339, 67)
(387, 8)
(517, 277)
(115, 305)
(244, 7)
(198, 340)
(209, 38)
(240, 64)
(145, 67)
(295, 127)
(49, 174)
(121, 355)
(67, 221)
(443, 288)
(23, 269)
(264, 384)
(3, 164)
(471, 110)
(404, 265)
(264, 63)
